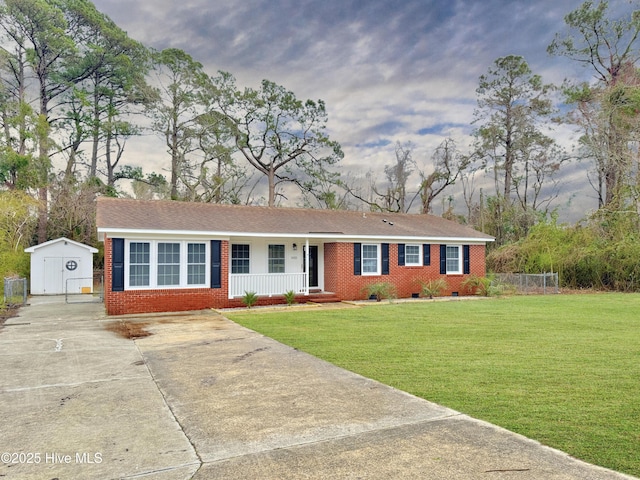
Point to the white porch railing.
(267, 283)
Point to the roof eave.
(33, 248)
(311, 236)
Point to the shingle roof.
(156, 215)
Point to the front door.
(313, 266)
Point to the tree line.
(75, 88)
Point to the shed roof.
(58, 240)
(157, 216)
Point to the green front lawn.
(564, 370)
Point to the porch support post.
(306, 267)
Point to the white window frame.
(231, 257)
(198, 264)
(153, 264)
(378, 259)
(458, 271)
(171, 265)
(406, 255)
(280, 260)
(128, 264)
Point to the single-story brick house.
(173, 256)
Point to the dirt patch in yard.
(139, 328)
(130, 330)
(7, 312)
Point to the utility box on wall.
(61, 266)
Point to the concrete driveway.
(203, 398)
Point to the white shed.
(61, 266)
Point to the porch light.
(295, 247)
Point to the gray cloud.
(388, 70)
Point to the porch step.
(323, 298)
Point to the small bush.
(381, 290)
(434, 288)
(487, 286)
(477, 285)
(249, 299)
(290, 297)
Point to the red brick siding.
(340, 279)
(164, 300)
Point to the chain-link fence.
(15, 291)
(530, 283)
(85, 289)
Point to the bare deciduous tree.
(448, 164)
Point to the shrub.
(434, 288)
(250, 299)
(477, 285)
(290, 297)
(488, 286)
(380, 290)
(601, 252)
(17, 224)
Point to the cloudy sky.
(388, 70)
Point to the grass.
(564, 370)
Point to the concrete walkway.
(204, 398)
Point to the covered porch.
(268, 284)
(274, 266)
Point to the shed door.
(53, 276)
(56, 272)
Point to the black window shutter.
(385, 259)
(117, 264)
(401, 254)
(216, 264)
(443, 259)
(466, 261)
(426, 254)
(357, 259)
